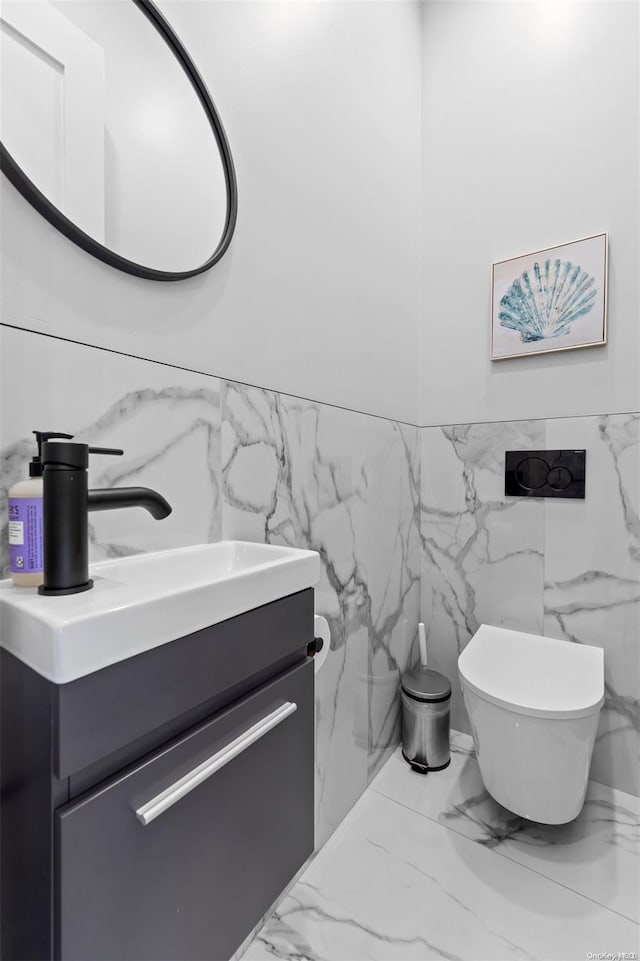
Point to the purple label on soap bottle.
(25, 535)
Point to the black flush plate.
(544, 473)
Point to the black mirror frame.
(55, 217)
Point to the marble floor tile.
(597, 855)
(392, 885)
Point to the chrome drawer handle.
(167, 798)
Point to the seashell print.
(545, 301)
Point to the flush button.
(545, 473)
(559, 478)
(531, 473)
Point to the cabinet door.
(216, 849)
(53, 110)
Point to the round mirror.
(110, 133)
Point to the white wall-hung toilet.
(534, 704)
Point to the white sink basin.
(140, 602)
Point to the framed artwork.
(552, 299)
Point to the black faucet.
(67, 501)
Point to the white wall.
(318, 295)
(530, 138)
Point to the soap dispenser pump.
(25, 520)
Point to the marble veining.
(592, 579)
(395, 882)
(482, 553)
(408, 523)
(394, 579)
(565, 569)
(167, 422)
(620, 434)
(291, 475)
(597, 855)
(345, 485)
(244, 463)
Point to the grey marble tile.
(597, 855)
(394, 577)
(592, 578)
(392, 884)
(295, 473)
(482, 552)
(167, 421)
(346, 485)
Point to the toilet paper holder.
(318, 648)
(315, 646)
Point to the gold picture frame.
(557, 295)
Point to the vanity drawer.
(217, 848)
(153, 696)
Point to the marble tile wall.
(167, 422)
(346, 485)
(565, 568)
(406, 522)
(239, 462)
(592, 579)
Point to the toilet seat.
(533, 675)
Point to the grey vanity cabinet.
(194, 880)
(157, 808)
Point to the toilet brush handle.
(422, 644)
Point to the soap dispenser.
(25, 520)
